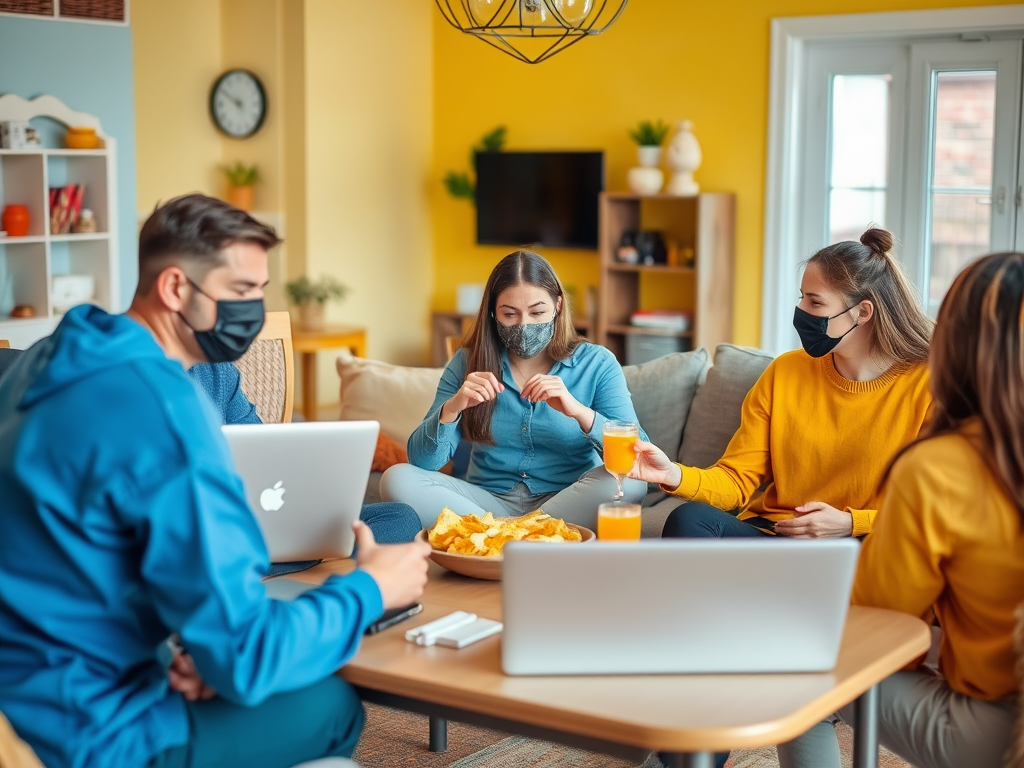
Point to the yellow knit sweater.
(948, 536)
(808, 434)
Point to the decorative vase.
(645, 181)
(311, 316)
(16, 220)
(649, 156)
(684, 157)
(81, 138)
(242, 197)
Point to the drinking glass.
(619, 456)
(618, 522)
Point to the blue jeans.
(391, 523)
(323, 720)
(696, 520)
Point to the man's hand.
(653, 466)
(400, 570)
(185, 679)
(817, 520)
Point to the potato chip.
(487, 535)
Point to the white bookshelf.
(33, 260)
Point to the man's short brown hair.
(195, 230)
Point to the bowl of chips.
(472, 545)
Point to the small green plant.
(460, 185)
(304, 291)
(241, 175)
(649, 134)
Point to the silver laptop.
(305, 483)
(675, 606)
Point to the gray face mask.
(527, 340)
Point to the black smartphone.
(394, 616)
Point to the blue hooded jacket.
(124, 521)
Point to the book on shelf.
(65, 207)
(662, 319)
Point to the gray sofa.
(689, 408)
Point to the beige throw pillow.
(662, 391)
(715, 412)
(397, 396)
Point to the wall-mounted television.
(547, 198)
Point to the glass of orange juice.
(618, 522)
(619, 456)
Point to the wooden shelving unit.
(31, 261)
(705, 224)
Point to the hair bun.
(878, 240)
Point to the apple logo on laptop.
(272, 499)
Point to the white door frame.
(789, 39)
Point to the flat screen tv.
(547, 198)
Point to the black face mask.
(813, 331)
(239, 322)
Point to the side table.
(307, 343)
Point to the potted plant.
(311, 295)
(647, 178)
(649, 136)
(242, 180)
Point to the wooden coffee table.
(688, 716)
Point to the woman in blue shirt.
(532, 397)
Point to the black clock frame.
(263, 95)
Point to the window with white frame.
(911, 121)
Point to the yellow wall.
(669, 59)
(345, 151)
(177, 56)
(368, 145)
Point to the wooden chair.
(15, 753)
(268, 370)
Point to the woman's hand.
(654, 466)
(477, 388)
(543, 388)
(817, 520)
(185, 679)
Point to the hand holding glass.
(618, 522)
(619, 455)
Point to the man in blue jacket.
(124, 522)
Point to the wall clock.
(238, 103)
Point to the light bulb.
(535, 12)
(483, 11)
(573, 12)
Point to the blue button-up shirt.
(534, 443)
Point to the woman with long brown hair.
(821, 423)
(532, 397)
(950, 536)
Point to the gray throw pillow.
(715, 413)
(662, 391)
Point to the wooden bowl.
(478, 567)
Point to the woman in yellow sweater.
(821, 424)
(950, 536)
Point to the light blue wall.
(89, 68)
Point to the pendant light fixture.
(531, 30)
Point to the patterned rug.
(395, 739)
